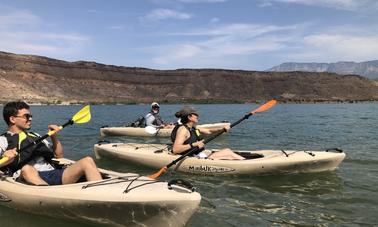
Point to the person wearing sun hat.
(186, 136)
(153, 118)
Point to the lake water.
(344, 197)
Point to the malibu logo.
(208, 169)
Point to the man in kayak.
(153, 118)
(34, 165)
(186, 136)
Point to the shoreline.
(2, 103)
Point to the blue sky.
(171, 34)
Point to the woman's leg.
(226, 154)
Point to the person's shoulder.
(148, 115)
(181, 129)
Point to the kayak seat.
(250, 155)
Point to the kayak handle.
(181, 183)
(334, 149)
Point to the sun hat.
(186, 111)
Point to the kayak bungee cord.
(122, 180)
(149, 182)
(107, 181)
(179, 182)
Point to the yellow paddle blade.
(265, 106)
(3, 160)
(83, 116)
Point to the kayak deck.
(259, 162)
(141, 132)
(123, 199)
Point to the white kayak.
(259, 162)
(121, 199)
(142, 132)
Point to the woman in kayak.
(186, 137)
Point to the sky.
(172, 34)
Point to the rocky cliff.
(43, 80)
(367, 69)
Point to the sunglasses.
(27, 117)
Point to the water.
(347, 196)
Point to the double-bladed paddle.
(83, 116)
(262, 108)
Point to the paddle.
(83, 116)
(151, 130)
(262, 108)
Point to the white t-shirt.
(39, 163)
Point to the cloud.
(344, 46)
(229, 41)
(241, 45)
(116, 27)
(349, 5)
(162, 14)
(18, 18)
(24, 32)
(202, 1)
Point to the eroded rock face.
(43, 80)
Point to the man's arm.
(57, 145)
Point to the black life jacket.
(195, 135)
(22, 140)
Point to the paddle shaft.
(191, 151)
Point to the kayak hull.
(107, 202)
(141, 132)
(263, 162)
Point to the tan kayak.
(259, 162)
(122, 199)
(134, 131)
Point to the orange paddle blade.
(265, 106)
(159, 173)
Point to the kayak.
(135, 131)
(261, 162)
(120, 199)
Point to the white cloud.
(18, 18)
(24, 32)
(239, 45)
(344, 47)
(350, 5)
(178, 53)
(202, 1)
(228, 41)
(214, 20)
(162, 14)
(116, 27)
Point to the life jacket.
(158, 121)
(195, 135)
(22, 140)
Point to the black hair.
(11, 109)
(184, 119)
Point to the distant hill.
(44, 80)
(367, 69)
